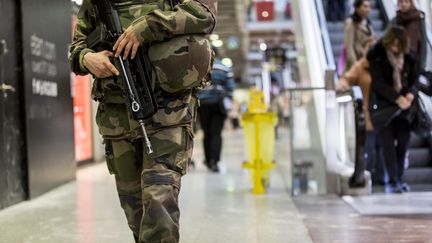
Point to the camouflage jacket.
(152, 20)
(160, 27)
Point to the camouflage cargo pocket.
(182, 62)
(113, 120)
(173, 148)
(123, 159)
(173, 111)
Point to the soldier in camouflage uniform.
(174, 35)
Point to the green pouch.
(181, 63)
(114, 120)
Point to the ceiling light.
(217, 43)
(214, 37)
(79, 2)
(227, 62)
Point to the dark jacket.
(222, 84)
(418, 41)
(382, 93)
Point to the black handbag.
(422, 120)
(381, 116)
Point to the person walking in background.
(394, 86)
(215, 104)
(413, 21)
(275, 92)
(359, 35)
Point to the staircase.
(419, 173)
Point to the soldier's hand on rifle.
(99, 64)
(127, 43)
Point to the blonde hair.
(396, 32)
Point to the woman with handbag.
(393, 89)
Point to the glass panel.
(307, 146)
(347, 138)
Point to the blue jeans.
(374, 159)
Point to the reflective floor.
(215, 207)
(219, 208)
(331, 220)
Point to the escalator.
(419, 171)
(330, 126)
(323, 124)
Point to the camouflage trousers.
(148, 186)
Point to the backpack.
(182, 62)
(179, 63)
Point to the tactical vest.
(179, 63)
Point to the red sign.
(264, 10)
(82, 119)
(82, 115)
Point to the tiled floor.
(215, 207)
(331, 220)
(415, 203)
(219, 208)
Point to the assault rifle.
(135, 73)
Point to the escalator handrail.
(429, 36)
(357, 100)
(325, 35)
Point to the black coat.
(382, 93)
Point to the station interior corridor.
(286, 58)
(220, 208)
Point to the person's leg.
(170, 133)
(381, 169)
(205, 117)
(402, 138)
(216, 135)
(387, 140)
(341, 8)
(370, 152)
(331, 10)
(161, 182)
(124, 160)
(331, 14)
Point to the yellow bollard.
(260, 138)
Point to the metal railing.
(325, 36)
(350, 113)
